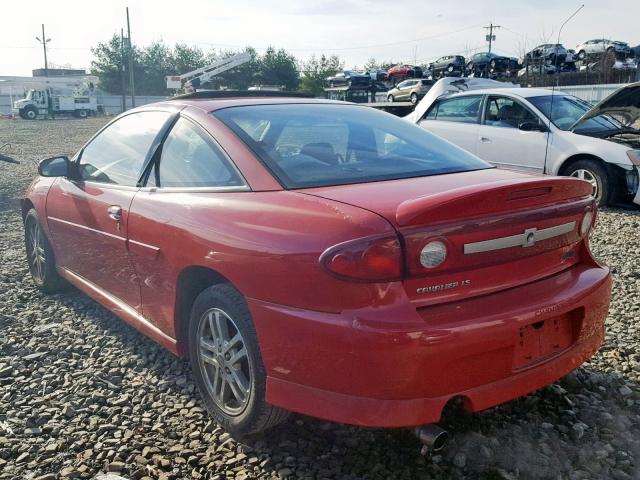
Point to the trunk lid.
(500, 228)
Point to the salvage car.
(447, 66)
(553, 53)
(349, 78)
(322, 257)
(377, 75)
(487, 64)
(543, 131)
(412, 90)
(404, 71)
(602, 45)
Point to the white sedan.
(542, 131)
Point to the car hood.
(449, 85)
(623, 105)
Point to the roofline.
(214, 94)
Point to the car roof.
(212, 104)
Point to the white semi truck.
(49, 101)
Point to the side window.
(117, 154)
(459, 109)
(190, 159)
(507, 112)
(432, 112)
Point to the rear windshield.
(315, 145)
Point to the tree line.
(151, 64)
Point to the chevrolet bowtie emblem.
(526, 239)
(529, 237)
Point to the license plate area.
(544, 339)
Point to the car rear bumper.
(355, 368)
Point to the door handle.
(485, 140)
(115, 212)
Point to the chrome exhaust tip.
(432, 437)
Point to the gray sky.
(356, 30)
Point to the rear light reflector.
(371, 259)
(433, 254)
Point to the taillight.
(588, 220)
(371, 259)
(585, 225)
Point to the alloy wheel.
(590, 177)
(224, 361)
(36, 251)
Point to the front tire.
(42, 265)
(413, 98)
(30, 113)
(594, 173)
(390, 98)
(226, 362)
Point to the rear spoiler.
(495, 197)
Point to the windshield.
(567, 110)
(314, 145)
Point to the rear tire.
(81, 114)
(42, 265)
(226, 362)
(596, 174)
(413, 98)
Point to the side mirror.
(532, 127)
(59, 166)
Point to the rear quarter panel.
(267, 244)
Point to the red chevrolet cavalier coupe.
(323, 258)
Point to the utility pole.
(131, 85)
(490, 37)
(123, 84)
(44, 42)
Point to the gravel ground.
(82, 393)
